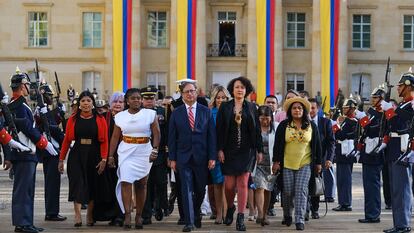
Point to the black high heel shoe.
(78, 224)
(229, 215)
(240, 222)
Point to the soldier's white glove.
(5, 99)
(359, 114)
(385, 105)
(49, 148)
(18, 146)
(409, 155)
(381, 148)
(63, 108)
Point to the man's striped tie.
(191, 117)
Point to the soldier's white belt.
(370, 144)
(403, 140)
(346, 146)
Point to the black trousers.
(52, 184)
(386, 185)
(176, 194)
(156, 190)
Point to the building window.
(295, 82)
(92, 30)
(227, 16)
(361, 31)
(157, 29)
(158, 80)
(365, 85)
(227, 33)
(295, 30)
(38, 29)
(91, 80)
(409, 31)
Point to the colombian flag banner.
(265, 19)
(329, 18)
(186, 38)
(122, 20)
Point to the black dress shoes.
(300, 226)
(28, 229)
(159, 215)
(188, 228)
(329, 199)
(57, 217)
(398, 230)
(287, 221)
(388, 207)
(342, 208)
(369, 220)
(315, 215)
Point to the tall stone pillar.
(251, 42)
(344, 81)
(316, 49)
(278, 63)
(137, 78)
(173, 48)
(201, 49)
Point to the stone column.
(201, 46)
(278, 63)
(173, 48)
(344, 81)
(251, 42)
(316, 49)
(137, 78)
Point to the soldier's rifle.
(41, 103)
(59, 102)
(8, 117)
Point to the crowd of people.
(123, 157)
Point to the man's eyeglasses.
(190, 92)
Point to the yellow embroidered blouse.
(298, 147)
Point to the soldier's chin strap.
(378, 103)
(402, 92)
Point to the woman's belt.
(135, 140)
(85, 141)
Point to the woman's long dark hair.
(266, 111)
(305, 118)
(90, 95)
(128, 93)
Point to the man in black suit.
(328, 150)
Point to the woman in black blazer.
(239, 142)
(297, 153)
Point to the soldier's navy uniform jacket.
(24, 163)
(50, 163)
(158, 179)
(399, 123)
(344, 164)
(372, 162)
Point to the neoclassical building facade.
(74, 38)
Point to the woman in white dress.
(138, 127)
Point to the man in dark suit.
(328, 150)
(192, 151)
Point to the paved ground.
(333, 222)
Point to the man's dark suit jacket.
(184, 144)
(327, 138)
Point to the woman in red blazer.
(87, 157)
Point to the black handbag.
(318, 186)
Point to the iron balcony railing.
(227, 50)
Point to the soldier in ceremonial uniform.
(24, 163)
(50, 162)
(395, 143)
(345, 134)
(157, 179)
(374, 126)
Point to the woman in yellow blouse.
(297, 153)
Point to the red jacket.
(70, 136)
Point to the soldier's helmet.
(100, 103)
(19, 78)
(407, 78)
(351, 103)
(378, 92)
(45, 88)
